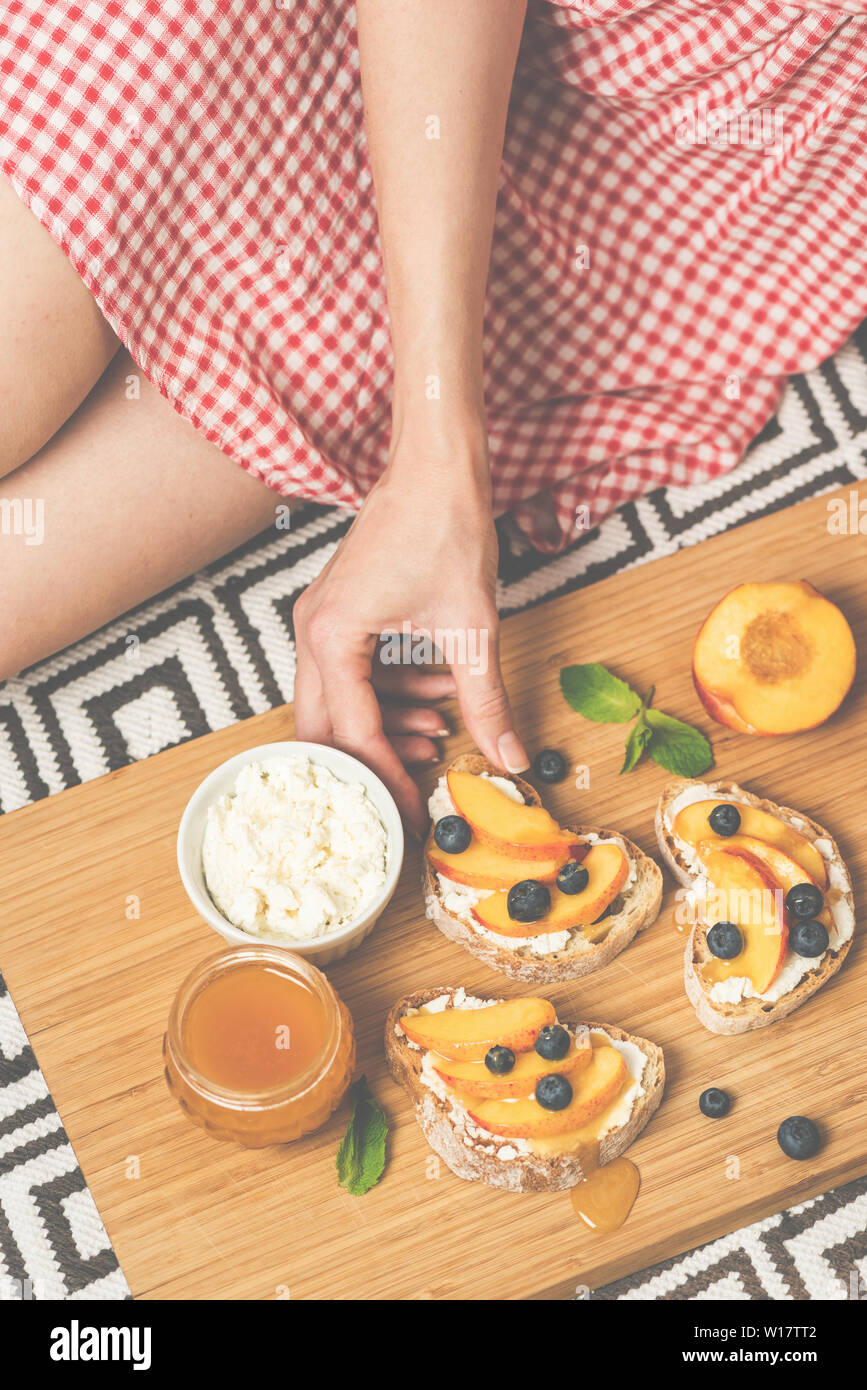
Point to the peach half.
(773, 658)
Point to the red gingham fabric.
(660, 264)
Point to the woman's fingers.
(311, 713)
(410, 729)
(411, 683)
(413, 719)
(485, 704)
(356, 720)
(412, 749)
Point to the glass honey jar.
(259, 1048)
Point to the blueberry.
(808, 938)
(549, 765)
(573, 877)
(553, 1092)
(553, 1042)
(714, 1103)
(452, 834)
(804, 900)
(725, 819)
(499, 1060)
(798, 1137)
(724, 941)
(528, 900)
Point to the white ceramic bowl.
(218, 783)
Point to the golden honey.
(259, 1048)
(606, 1196)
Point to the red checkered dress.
(682, 222)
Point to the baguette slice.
(467, 1153)
(635, 908)
(742, 1017)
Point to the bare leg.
(134, 499)
(54, 342)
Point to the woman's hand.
(421, 554)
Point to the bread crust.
(749, 1013)
(526, 1172)
(639, 907)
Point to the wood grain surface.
(193, 1218)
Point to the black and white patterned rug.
(219, 648)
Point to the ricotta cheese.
(636, 1061)
(292, 852)
(732, 990)
(738, 987)
(543, 945)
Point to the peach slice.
(785, 871)
(773, 658)
(608, 868)
(585, 1137)
(509, 826)
(592, 1090)
(482, 866)
(465, 1035)
(751, 897)
(474, 1079)
(692, 824)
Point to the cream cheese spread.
(292, 852)
(636, 1061)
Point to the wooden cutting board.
(193, 1218)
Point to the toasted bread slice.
(478, 1156)
(635, 908)
(756, 1012)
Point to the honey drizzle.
(606, 1196)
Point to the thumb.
(484, 702)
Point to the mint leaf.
(594, 692)
(678, 747)
(639, 736)
(361, 1155)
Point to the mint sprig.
(599, 695)
(640, 735)
(677, 746)
(596, 693)
(361, 1155)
